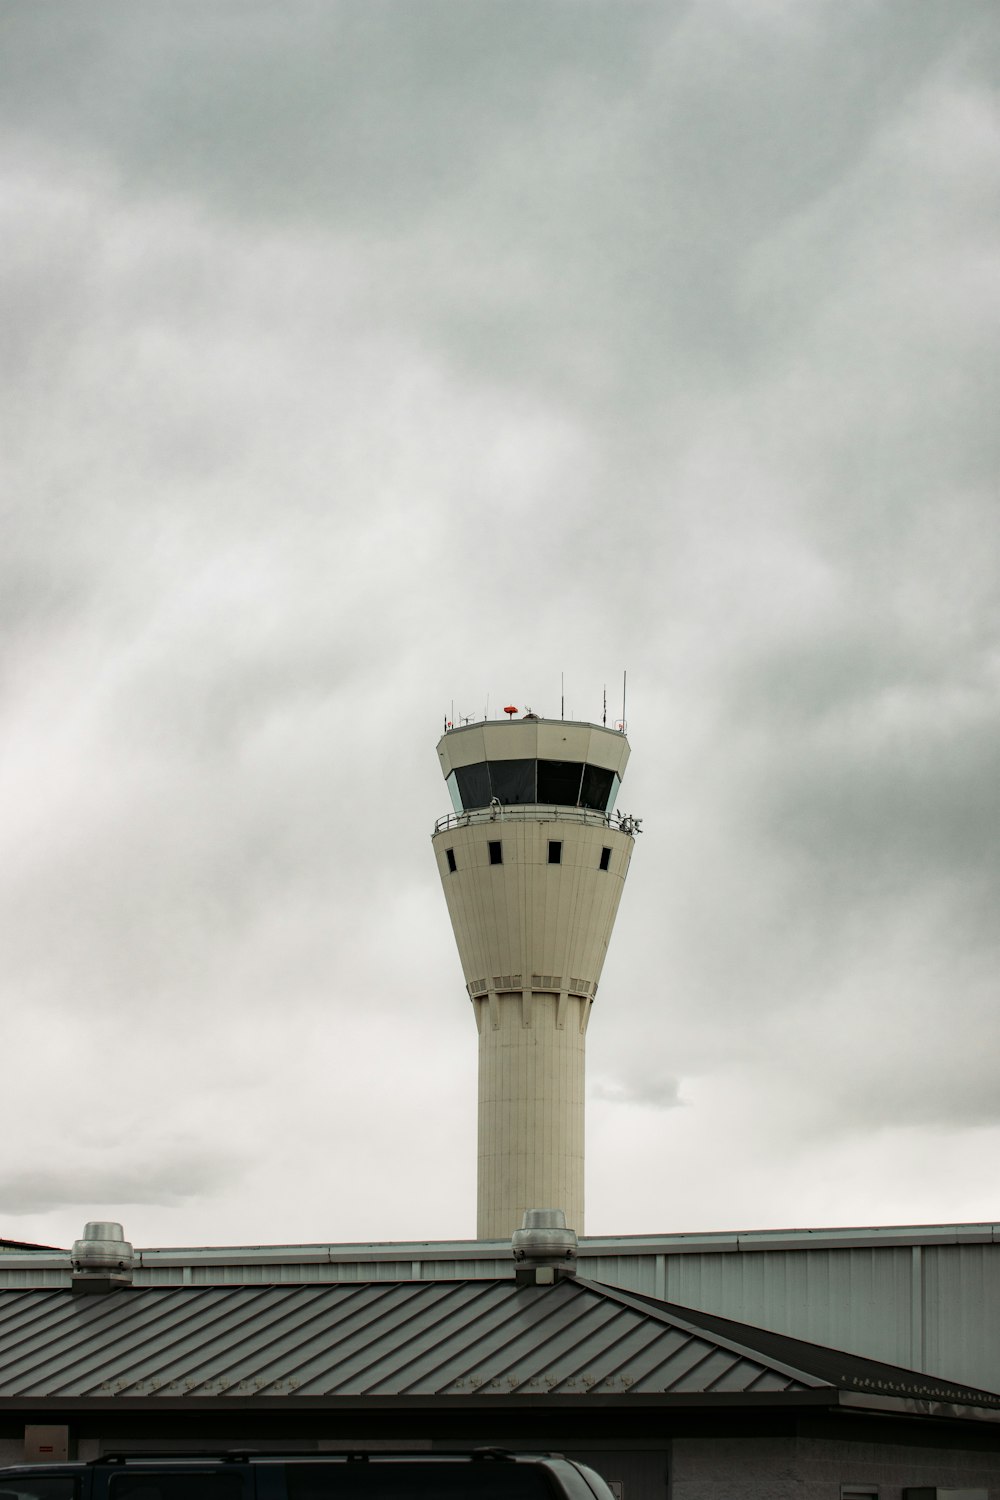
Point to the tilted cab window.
(512, 781)
(560, 783)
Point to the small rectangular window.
(449, 855)
(555, 852)
(496, 852)
(605, 858)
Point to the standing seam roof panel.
(21, 1322)
(200, 1338)
(533, 1353)
(89, 1340)
(673, 1317)
(184, 1340)
(322, 1321)
(376, 1348)
(635, 1351)
(504, 1325)
(770, 1380)
(453, 1334)
(729, 1372)
(188, 1356)
(534, 1342)
(677, 1365)
(279, 1336)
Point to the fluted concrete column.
(531, 1107)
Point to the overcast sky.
(367, 361)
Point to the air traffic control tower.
(533, 860)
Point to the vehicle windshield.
(38, 1487)
(399, 1480)
(191, 1484)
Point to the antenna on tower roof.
(624, 680)
(562, 695)
(604, 711)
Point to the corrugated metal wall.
(960, 1311)
(929, 1307)
(850, 1299)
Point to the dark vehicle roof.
(486, 1474)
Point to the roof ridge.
(673, 1314)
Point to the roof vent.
(544, 1249)
(103, 1259)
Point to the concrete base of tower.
(531, 1107)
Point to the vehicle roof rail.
(197, 1455)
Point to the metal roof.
(405, 1341)
(14, 1254)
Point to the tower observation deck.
(532, 859)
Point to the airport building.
(826, 1364)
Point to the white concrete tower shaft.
(532, 860)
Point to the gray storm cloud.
(365, 361)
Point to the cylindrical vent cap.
(543, 1239)
(103, 1248)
